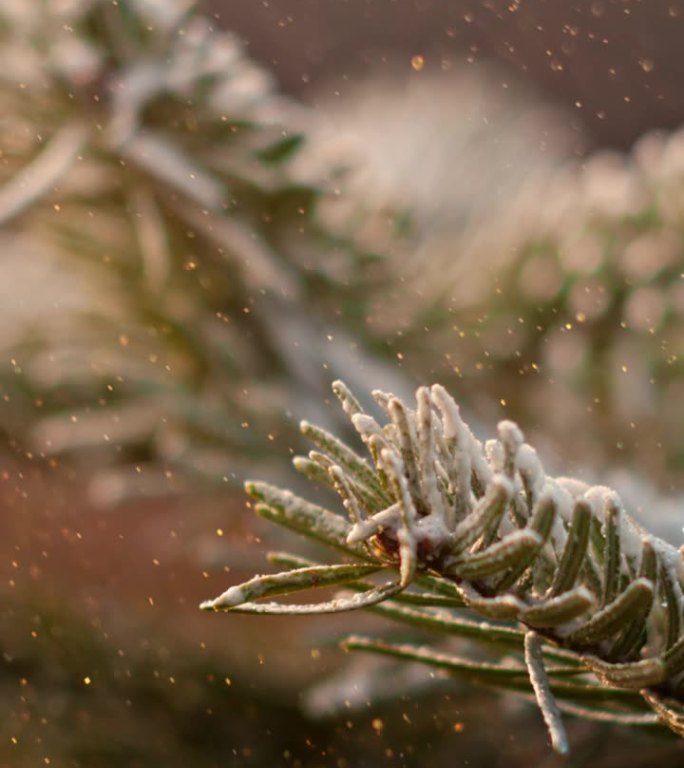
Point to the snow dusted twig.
(543, 694)
(594, 603)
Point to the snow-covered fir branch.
(439, 527)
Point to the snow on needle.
(436, 523)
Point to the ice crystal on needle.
(575, 585)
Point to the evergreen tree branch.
(586, 602)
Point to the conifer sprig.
(478, 542)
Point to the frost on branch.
(589, 603)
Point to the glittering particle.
(87, 680)
(459, 727)
(377, 725)
(219, 531)
(417, 62)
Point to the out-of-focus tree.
(542, 284)
(192, 276)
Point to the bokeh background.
(210, 212)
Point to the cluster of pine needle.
(581, 606)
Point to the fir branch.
(598, 599)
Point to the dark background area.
(616, 64)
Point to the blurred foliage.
(590, 308)
(531, 281)
(217, 259)
(148, 159)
